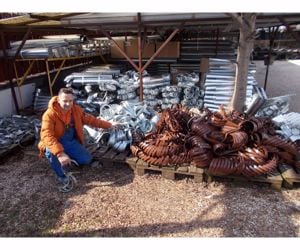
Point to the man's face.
(65, 101)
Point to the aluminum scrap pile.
(192, 95)
(171, 95)
(131, 118)
(274, 106)
(153, 87)
(58, 47)
(289, 125)
(219, 83)
(95, 86)
(128, 86)
(14, 129)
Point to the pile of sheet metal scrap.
(16, 130)
(224, 143)
(289, 125)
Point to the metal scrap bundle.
(128, 87)
(191, 94)
(14, 129)
(130, 117)
(274, 106)
(152, 87)
(224, 143)
(289, 125)
(171, 96)
(219, 84)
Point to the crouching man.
(62, 135)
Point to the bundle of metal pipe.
(219, 83)
(153, 87)
(38, 52)
(193, 97)
(49, 48)
(128, 88)
(47, 42)
(289, 125)
(196, 49)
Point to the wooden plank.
(274, 178)
(168, 172)
(131, 162)
(289, 175)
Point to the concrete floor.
(283, 79)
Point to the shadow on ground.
(31, 206)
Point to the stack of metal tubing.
(219, 83)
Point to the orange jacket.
(54, 123)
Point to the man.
(62, 135)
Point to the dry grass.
(113, 202)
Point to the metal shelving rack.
(51, 82)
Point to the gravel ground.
(113, 202)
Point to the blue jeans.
(73, 149)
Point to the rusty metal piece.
(252, 169)
(278, 142)
(237, 139)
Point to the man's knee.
(85, 159)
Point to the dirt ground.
(114, 202)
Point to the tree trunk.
(246, 41)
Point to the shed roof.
(123, 22)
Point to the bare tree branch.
(237, 18)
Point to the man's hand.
(64, 159)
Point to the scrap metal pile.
(225, 143)
(111, 85)
(15, 129)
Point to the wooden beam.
(162, 46)
(120, 50)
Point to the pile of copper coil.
(226, 143)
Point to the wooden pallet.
(290, 175)
(169, 172)
(274, 178)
